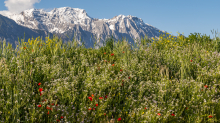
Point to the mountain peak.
(75, 21)
(64, 10)
(128, 16)
(52, 21)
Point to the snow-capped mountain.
(73, 21)
(56, 21)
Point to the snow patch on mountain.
(112, 27)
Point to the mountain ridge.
(11, 31)
(76, 22)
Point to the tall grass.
(167, 80)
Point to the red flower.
(145, 108)
(158, 114)
(56, 104)
(39, 106)
(90, 98)
(58, 120)
(48, 112)
(90, 109)
(92, 95)
(40, 89)
(61, 117)
(105, 96)
(122, 84)
(93, 108)
(173, 114)
(39, 84)
(48, 107)
(129, 77)
(105, 53)
(113, 64)
(96, 104)
(112, 54)
(191, 60)
(186, 108)
(104, 113)
(119, 119)
(52, 104)
(40, 94)
(123, 51)
(100, 97)
(206, 86)
(24, 47)
(121, 70)
(210, 116)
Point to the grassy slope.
(172, 80)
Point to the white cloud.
(17, 6)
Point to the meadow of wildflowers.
(168, 80)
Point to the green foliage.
(109, 44)
(197, 38)
(217, 44)
(170, 80)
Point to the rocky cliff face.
(69, 22)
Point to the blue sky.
(183, 16)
